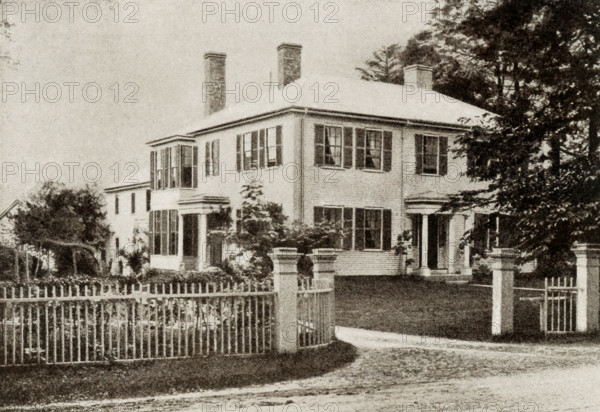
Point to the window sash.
(373, 149)
(271, 146)
(373, 232)
(187, 166)
(431, 154)
(333, 146)
(247, 150)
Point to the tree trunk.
(37, 262)
(16, 275)
(593, 133)
(27, 273)
(74, 253)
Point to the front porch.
(194, 235)
(436, 238)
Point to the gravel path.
(412, 373)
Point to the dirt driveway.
(410, 373)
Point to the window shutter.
(239, 153)
(348, 147)
(168, 167)
(318, 214)
(164, 232)
(419, 153)
(360, 151)
(279, 143)
(254, 149)
(387, 229)
(207, 166)
(133, 203)
(165, 177)
(216, 157)
(443, 156)
(359, 227)
(319, 144)
(152, 167)
(148, 200)
(179, 163)
(348, 223)
(387, 151)
(194, 167)
(151, 231)
(261, 149)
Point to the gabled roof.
(331, 95)
(13, 205)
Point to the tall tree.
(385, 66)
(58, 218)
(540, 153)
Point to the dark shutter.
(359, 229)
(254, 149)
(443, 156)
(318, 214)
(194, 167)
(419, 153)
(279, 144)
(152, 167)
(261, 149)
(151, 231)
(348, 147)
(319, 144)
(387, 151)
(179, 163)
(165, 177)
(168, 167)
(133, 203)
(148, 200)
(387, 229)
(348, 223)
(207, 167)
(238, 164)
(164, 232)
(360, 151)
(216, 157)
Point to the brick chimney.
(289, 58)
(420, 75)
(214, 82)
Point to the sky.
(90, 84)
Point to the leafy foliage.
(58, 218)
(263, 227)
(136, 251)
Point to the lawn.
(45, 384)
(418, 307)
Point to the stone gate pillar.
(503, 266)
(285, 282)
(588, 262)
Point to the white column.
(588, 278)
(180, 263)
(202, 242)
(451, 243)
(424, 270)
(285, 283)
(466, 269)
(503, 265)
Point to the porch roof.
(205, 199)
(429, 196)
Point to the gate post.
(323, 260)
(503, 266)
(285, 282)
(588, 262)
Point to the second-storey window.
(373, 149)
(187, 166)
(211, 158)
(173, 174)
(174, 167)
(431, 154)
(260, 148)
(333, 146)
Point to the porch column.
(451, 243)
(180, 263)
(466, 269)
(424, 271)
(202, 242)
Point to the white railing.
(315, 311)
(100, 323)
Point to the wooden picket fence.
(315, 313)
(100, 323)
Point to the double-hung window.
(271, 147)
(248, 158)
(431, 154)
(187, 166)
(373, 229)
(333, 146)
(373, 149)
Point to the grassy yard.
(417, 307)
(66, 383)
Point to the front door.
(432, 242)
